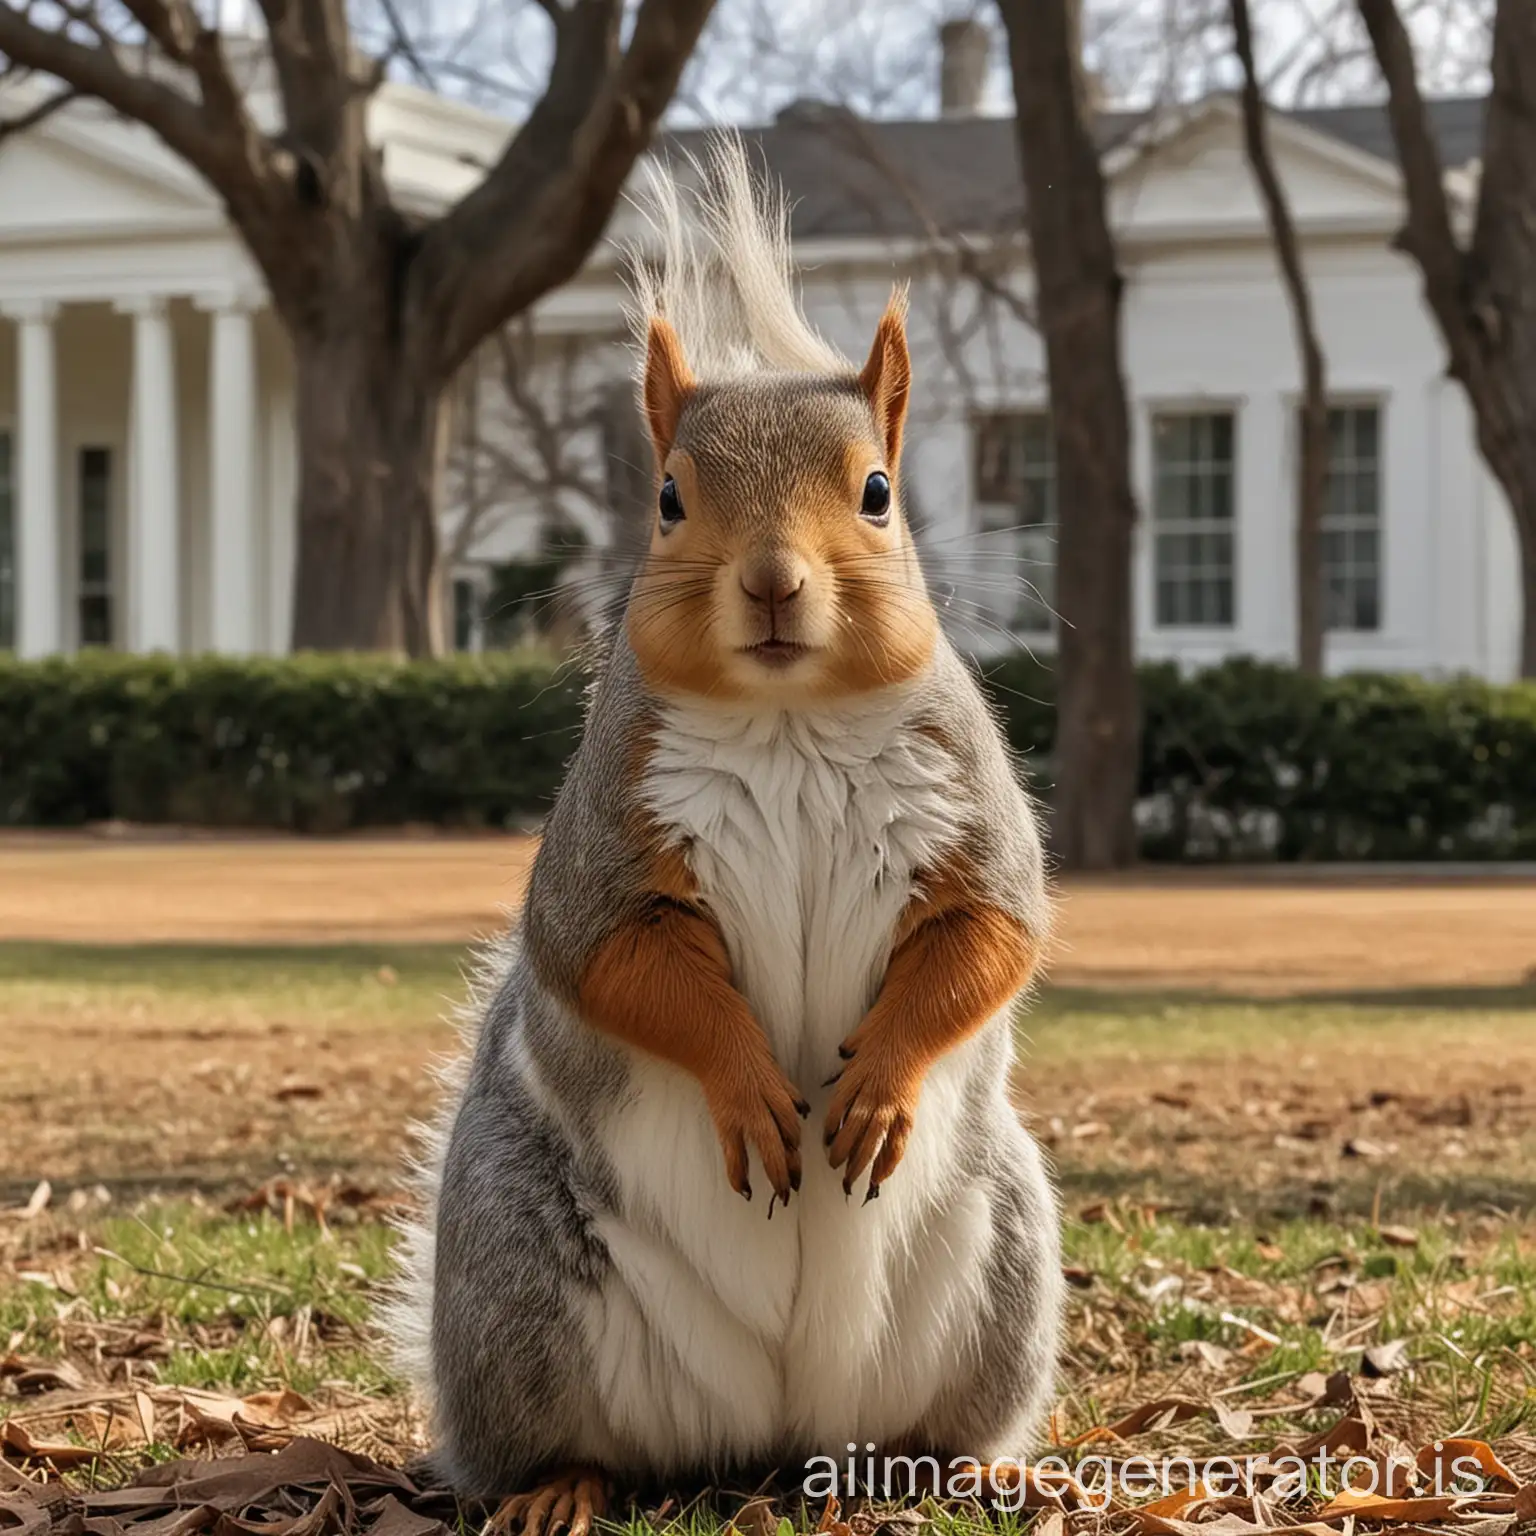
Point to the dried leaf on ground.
(1438, 1462)
(18, 1439)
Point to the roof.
(962, 173)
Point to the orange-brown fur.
(662, 983)
(862, 612)
(955, 962)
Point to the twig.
(207, 1285)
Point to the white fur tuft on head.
(716, 266)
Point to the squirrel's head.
(780, 566)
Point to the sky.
(881, 56)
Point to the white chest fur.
(720, 1332)
(804, 833)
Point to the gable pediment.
(1196, 177)
(64, 176)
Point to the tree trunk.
(1504, 407)
(1311, 500)
(1098, 724)
(370, 446)
(1312, 463)
(1484, 297)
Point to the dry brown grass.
(1238, 933)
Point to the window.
(1351, 531)
(1194, 497)
(1016, 500)
(94, 592)
(7, 548)
(466, 613)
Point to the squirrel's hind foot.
(571, 1501)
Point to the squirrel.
(775, 930)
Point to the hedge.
(1244, 760)
(305, 744)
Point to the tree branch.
(1428, 236)
(215, 137)
(529, 225)
(11, 126)
(1312, 466)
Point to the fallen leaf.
(296, 1088)
(1354, 1432)
(16, 1437)
(41, 1375)
(1385, 1359)
(1358, 1146)
(1088, 1128)
(830, 1524)
(1376, 1506)
(1237, 1422)
(757, 1517)
(1158, 1414)
(1438, 1461)
(1076, 1276)
(1398, 1237)
(264, 1420)
(38, 1201)
(1213, 1357)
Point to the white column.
(154, 526)
(39, 629)
(232, 476)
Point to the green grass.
(228, 1293)
(237, 1303)
(1085, 1023)
(331, 984)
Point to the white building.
(146, 452)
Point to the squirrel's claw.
(570, 1501)
(868, 1124)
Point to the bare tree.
(1312, 466)
(380, 308)
(1481, 290)
(1078, 299)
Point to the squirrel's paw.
(871, 1114)
(755, 1105)
(571, 1501)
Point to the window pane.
(1015, 472)
(1194, 505)
(95, 524)
(95, 619)
(463, 615)
(1351, 551)
(1037, 581)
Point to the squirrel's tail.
(404, 1319)
(716, 265)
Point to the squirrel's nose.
(775, 585)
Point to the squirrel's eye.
(876, 506)
(671, 504)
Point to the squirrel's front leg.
(662, 983)
(957, 960)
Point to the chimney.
(965, 48)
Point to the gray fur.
(523, 1177)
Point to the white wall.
(1210, 329)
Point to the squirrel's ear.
(668, 383)
(887, 376)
